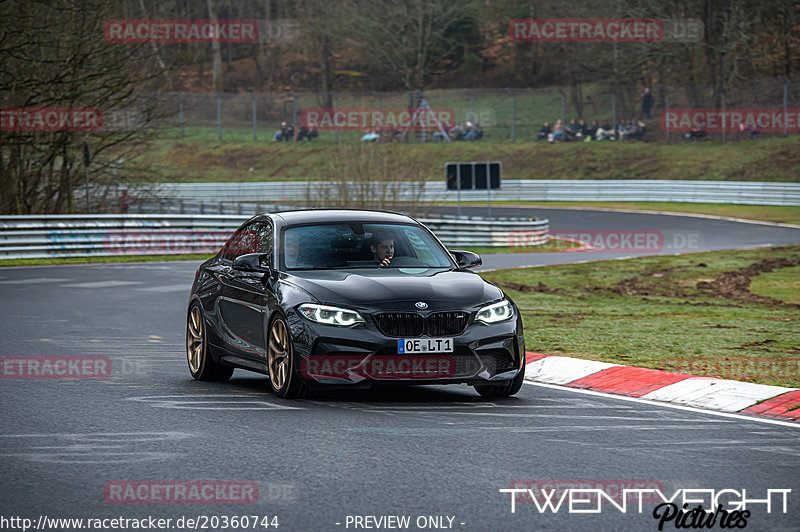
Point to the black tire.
(201, 365)
(284, 380)
(503, 390)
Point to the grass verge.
(198, 158)
(691, 313)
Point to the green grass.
(100, 260)
(649, 312)
(202, 158)
(783, 284)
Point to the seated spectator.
(624, 130)
(544, 131)
(753, 130)
(285, 134)
(370, 135)
(456, 132)
(639, 131)
(591, 131)
(694, 134)
(558, 132)
(604, 132)
(474, 131)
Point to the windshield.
(357, 245)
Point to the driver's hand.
(386, 261)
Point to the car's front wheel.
(201, 365)
(504, 390)
(283, 378)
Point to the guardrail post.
(458, 187)
(183, 209)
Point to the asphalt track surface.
(427, 451)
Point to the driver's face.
(384, 249)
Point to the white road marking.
(35, 280)
(167, 288)
(740, 417)
(212, 402)
(103, 284)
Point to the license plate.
(424, 345)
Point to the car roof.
(341, 215)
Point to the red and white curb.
(703, 392)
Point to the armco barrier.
(48, 236)
(740, 192)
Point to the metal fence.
(504, 114)
(51, 236)
(210, 197)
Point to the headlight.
(330, 315)
(495, 313)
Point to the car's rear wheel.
(283, 378)
(503, 390)
(201, 365)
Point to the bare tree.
(53, 55)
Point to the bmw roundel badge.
(421, 305)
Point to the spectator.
(605, 132)
(456, 132)
(286, 133)
(638, 130)
(753, 130)
(544, 132)
(591, 131)
(647, 103)
(558, 132)
(695, 134)
(474, 131)
(370, 135)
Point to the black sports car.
(345, 297)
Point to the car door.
(244, 297)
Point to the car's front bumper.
(482, 354)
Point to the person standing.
(647, 103)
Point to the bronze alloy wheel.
(278, 354)
(280, 368)
(201, 365)
(195, 342)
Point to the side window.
(245, 240)
(264, 232)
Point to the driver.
(382, 249)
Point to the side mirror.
(252, 262)
(466, 259)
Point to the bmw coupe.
(320, 298)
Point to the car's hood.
(394, 290)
